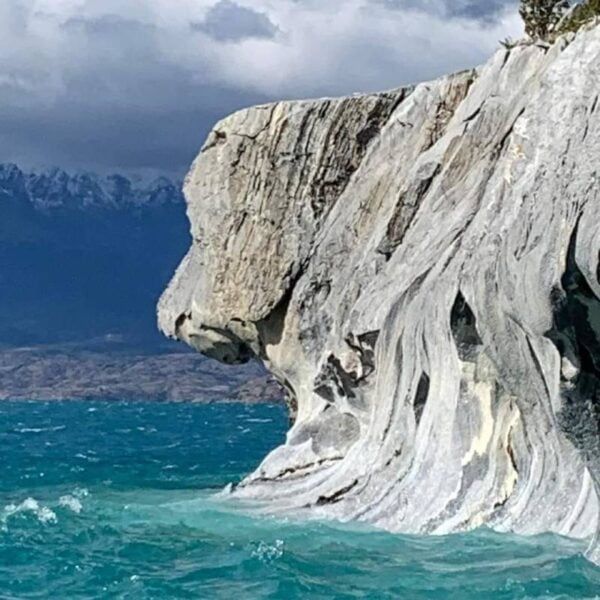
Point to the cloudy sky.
(135, 85)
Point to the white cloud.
(350, 46)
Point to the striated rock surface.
(420, 270)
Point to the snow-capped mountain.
(55, 189)
(84, 256)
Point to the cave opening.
(576, 335)
(463, 325)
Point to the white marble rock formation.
(420, 270)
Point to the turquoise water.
(103, 500)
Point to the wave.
(44, 514)
(71, 502)
(39, 429)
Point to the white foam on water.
(267, 553)
(44, 514)
(72, 503)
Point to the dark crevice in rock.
(181, 319)
(300, 471)
(500, 146)
(511, 456)
(270, 332)
(231, 351)
(501, 503)
(254, 136)
(369, 339)
(474, 114)
(335, 381)
(505, 58)
(397, 454)
(421, 397)
(585, 131)
(333, 378)
(216, 138)
(377, 119)
(538, 365)
(291, 399)
(464, 329)
(270, 329)
(355, 138)
(576, 335)
(406, 208)
(324, 390)
(336, 496)
(240, 219)
(364, 346)
(447, 107)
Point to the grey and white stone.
(420, 270)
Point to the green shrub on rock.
(583, 13)
(542, 17)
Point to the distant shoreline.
(38, 374)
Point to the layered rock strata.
(420, 269)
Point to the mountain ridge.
(84, 256)
(54, 189)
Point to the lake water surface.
(115, 500)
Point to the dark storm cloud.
(130, 84)
(84, 135)
(120, 103)
(227, 21)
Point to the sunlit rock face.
(420, 270)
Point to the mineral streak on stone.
(420, 270)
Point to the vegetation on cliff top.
(546, 19)
(582, 14)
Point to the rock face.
(420, 269)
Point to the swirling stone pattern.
(420, 270)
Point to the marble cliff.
(420, 269)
